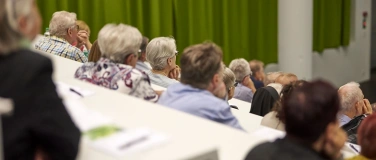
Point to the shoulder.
(29, 59)
(261, 152)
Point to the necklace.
(159, 72)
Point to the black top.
(39, 118)
(263, 100)
(283, 149)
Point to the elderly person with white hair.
(353, 103)
(38, 120)
(119, 45)
(161, 54)
(245, 88)
(64, 34)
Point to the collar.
(55, 38)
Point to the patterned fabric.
(61, 47)
(119, 77)
(143, 66)
(160, 80)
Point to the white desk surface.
(189, 135)
(242, 105)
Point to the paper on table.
(128, 141)
(350, 147)
(268, 133)
(84, 118)
(67, 91)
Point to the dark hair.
(95, 53)
(366, 136)
(199, 63)
(145, 41)
(286, 90)
(309, 109)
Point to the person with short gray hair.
(63, 35)
(119, 45)
(161, 54)
(142, 64)
(230, 83)
(352, 102)
(245, 88)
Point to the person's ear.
(128, 60)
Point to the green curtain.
(243, 28)
(331, 24)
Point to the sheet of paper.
(67, 91)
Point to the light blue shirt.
(343, 119)
(160, 80)
(243, 93)
(198, 102)
(142, 66)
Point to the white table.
(242, 105)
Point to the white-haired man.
(352, 103)
(119, 45)
(63, 30)
(245, 88)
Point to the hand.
(251, 85)
(367, 108)
(174, 73)
(83, 39)
(335, 142)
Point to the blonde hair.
(95, 52)
(159, 50)
(228, 78)
(60, 22)
(83, 26)
(116, 42)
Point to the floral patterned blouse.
(119, 77)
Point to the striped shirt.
(61, 47)
(160, 80)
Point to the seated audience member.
(312, 129)
(83, 42)
(367, 139)
(353, 103)
(201, 85)
(263, 100)
(161, 54)
(245, 88)
(119, 45)
(286, 78)
(95, 53)
(229, 80)
(142, 64)
(63, 30)
(272, 119)
(278, 87)
(37, 118)
(258, 75)
(271, 76)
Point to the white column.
(295, 29)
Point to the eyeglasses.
(176, 53)
(235, 85)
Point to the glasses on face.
(176, 53)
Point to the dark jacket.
(39, 118)
(351, 128)
(283, 149)
(263, 100)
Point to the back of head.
(116, 42)
(241, 69)
(256, 65)
(309, 109)
(83, 26)
(10, 12)
(228, 78)
(367, 136)
(144, 43)
(199, 63)
(349, 94)
(95, 52)
(271, 77)
(159, 50)
(286, 78)
(60, 22)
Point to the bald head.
(349, 94)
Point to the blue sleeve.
(225, 116)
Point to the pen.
(354, 148)
(131, 143)
(73, 90)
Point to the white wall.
(351, 63)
